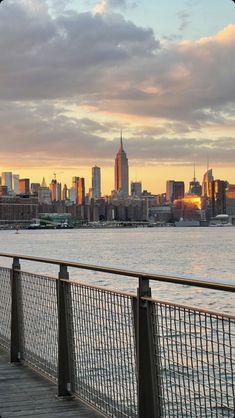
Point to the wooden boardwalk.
(24, 393)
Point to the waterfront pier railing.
(125, 355)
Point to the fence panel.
(194, 350)
(5, 307)
(104, 360)
(195, 360)
(39, 323)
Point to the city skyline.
(149, 70)
(93, 186)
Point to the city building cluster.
(23, 203)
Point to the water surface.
(194, 252)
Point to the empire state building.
(121, 171)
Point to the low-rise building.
(18, 210)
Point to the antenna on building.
(194, 172)
(208, 161)
(54, 174)
(121, 143)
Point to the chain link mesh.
(195, 361)
(39, 323)
(194, 350)
(103, 346)
(5, 307)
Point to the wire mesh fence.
(103, 346)
(5, 307)
(195, 361)
(193, 350)
(39, 323)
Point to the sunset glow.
(73, 76)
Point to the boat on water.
(187, 223)
(221, 220)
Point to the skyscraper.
(96, 182)
(169, 190)
(55, 189)
(78, 184)
(178, 190)
(15, 183)
(136, 188)
(207, 180)
(121, 171)
(174, 190)
(81, 191)
(7, 180)
(24, 186)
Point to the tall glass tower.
(121, 171)
(96, 183)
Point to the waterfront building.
(96, 182)
(187, 208)
(75, 185)
(160, 199)
(24, 186)
(44, 194)
(207, 180)
(15, 183)
(18, 210)
(178, 190)
(195, 187)
(217, 194)
(160, 214)
(136, 188)
(230, 201)
(65, 192)
(126, 209)
(121, 171)
(81, 191)
(58, 192)
(3, 191)
(72, 195)
(55, 189)
(34, 188)
(174, 190)
(7, 180)
(52, 186)
(89, 195)
(78, 184)
(169, 190)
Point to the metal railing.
(125, 355)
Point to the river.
(190, 252)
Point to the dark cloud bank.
(110, 64)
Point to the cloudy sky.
(74, 73)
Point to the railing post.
(64, 374)
(148, 399)
(15, 310)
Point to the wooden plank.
(23, 393)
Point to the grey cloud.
(108, 62)
(44, 134)
(72, 55)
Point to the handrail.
(145, 276)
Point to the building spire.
(43, 182)
(121, 142)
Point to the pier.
(72, 349)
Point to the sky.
(73, 74)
